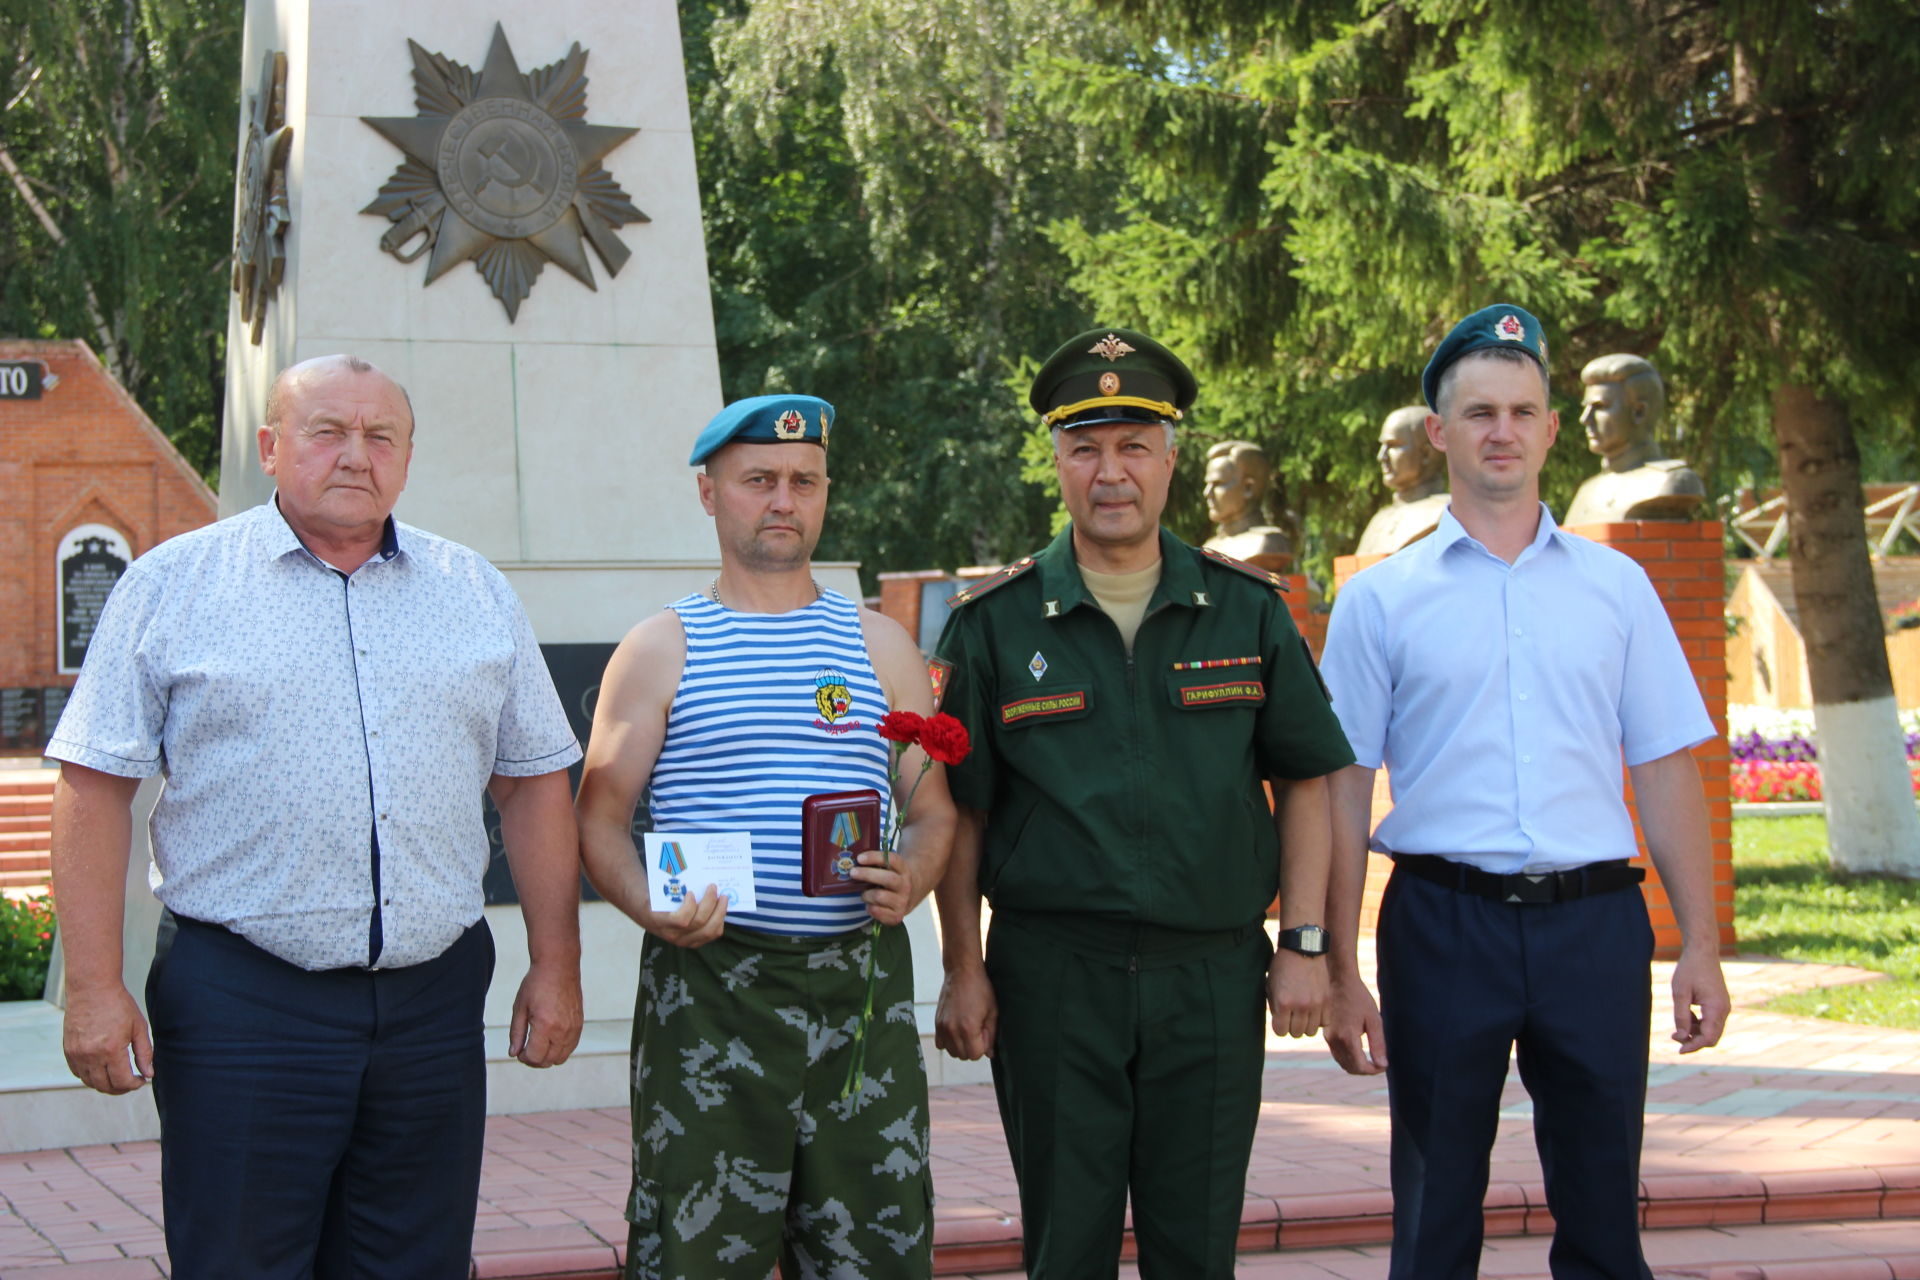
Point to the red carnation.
(902, 726)
(945, 739)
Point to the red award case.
(834, 829)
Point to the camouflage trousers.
(744, 1153)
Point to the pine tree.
(1730, 189)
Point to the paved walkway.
(1753, 1149)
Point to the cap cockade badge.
(1510, 328)
(1110, 347)
(503, 170)
(1109, 383)
(790, 425)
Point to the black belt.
(1526, 888)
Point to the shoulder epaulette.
(1266, 577)
(992, 581)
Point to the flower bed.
(1775, 759)
(26, 945)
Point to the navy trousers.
(322, 1124)
(1464, 981)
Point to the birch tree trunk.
(1872, 823)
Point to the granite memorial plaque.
(90, 561)
(576, 670)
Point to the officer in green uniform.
(1128, 694)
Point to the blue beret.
(765, 420)
(1500, 325)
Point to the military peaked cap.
(1111, 375)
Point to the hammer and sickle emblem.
(508, 164)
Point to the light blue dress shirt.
(296, 711)
(1502, 698)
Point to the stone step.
(25, 841)
(20, 782)
(24, 879)
(13, 820)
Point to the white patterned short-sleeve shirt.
(297, 713)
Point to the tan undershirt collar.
(1123, 596)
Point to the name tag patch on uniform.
(1208, 695)
(1047, 704)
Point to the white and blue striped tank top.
(771, 708)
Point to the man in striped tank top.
(726, 711)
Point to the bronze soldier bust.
(1238, 476)
(1621, 414)
(1417, 474)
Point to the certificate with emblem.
(681, 864)
(835, 829)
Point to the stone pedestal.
(1312, 626)
(1684, 562)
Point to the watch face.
(1307, 939)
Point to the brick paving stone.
(1788, 1118)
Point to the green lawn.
(1786, 903)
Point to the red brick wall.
(82, 453)
(1687, 565)
(900, 597)
(1684, 562)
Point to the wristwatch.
(1307, 939)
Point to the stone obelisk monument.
(504, 215)
(498, 206)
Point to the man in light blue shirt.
(328, 693)
(1501, 670)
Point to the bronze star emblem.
(503, 169)
(261, 215)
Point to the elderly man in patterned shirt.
(328, 692)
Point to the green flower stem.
(889, 839)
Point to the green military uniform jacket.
(1129, 787)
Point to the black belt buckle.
(1531, 890)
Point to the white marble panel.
(595, 1076)
(604, 436)
(588, 604)
(361, 65)
(346, 286)
(661, 296)
(461, 484)
(610, 966)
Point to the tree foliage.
(116, 187)
(1729, 188)
(1324, 186)
(878, 178)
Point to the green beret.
(765, 420)
(1111, 375)
(1500, 325)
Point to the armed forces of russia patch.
(1265, 577)
(991, 582)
